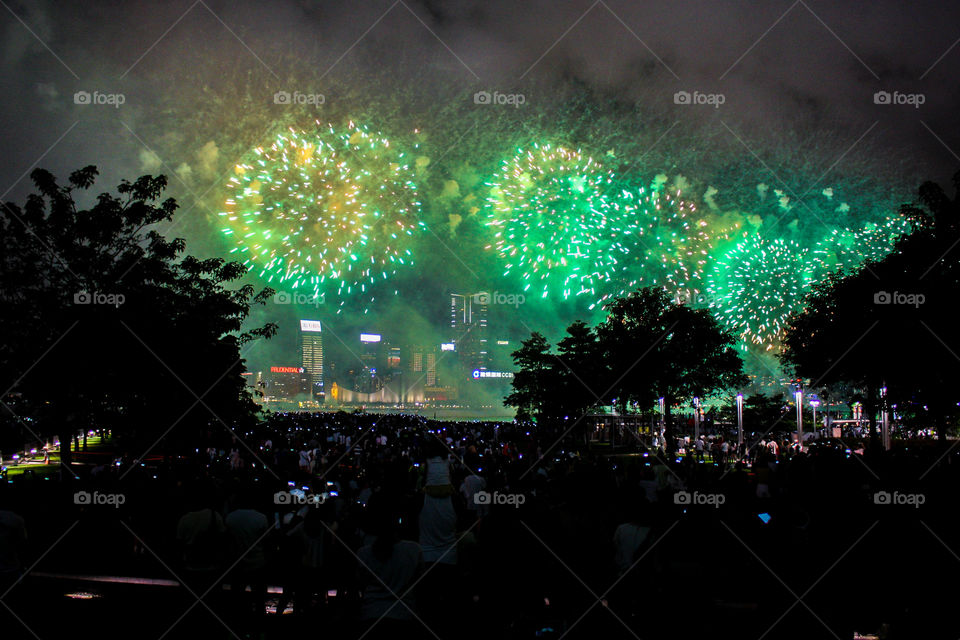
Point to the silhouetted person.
(388, 569)
(247, 529)
(13, 542)
(201, 536)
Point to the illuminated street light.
(739, 420)
(884, 419)
(663, 423)
(696, 419)
(799, 398)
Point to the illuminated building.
(393, 361)
(423, 365)
(311, 342)
(284, 384)
(370, 376)
(468, 324)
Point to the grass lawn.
(35, 465)
(95, 444)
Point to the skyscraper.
(311, 342)
(284, 383)
(422, 365)
(468, 322)
(371, 374)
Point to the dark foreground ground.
(813, 546)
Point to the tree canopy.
(648, 347)
(891, 324)
(107, 323)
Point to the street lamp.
(663, 422)
(739, 421)
(696, 419)
(814, 404)
(799, 397)
(885, 419)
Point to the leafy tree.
(891, 324)
(664, 350)
(578, 358)
(630, 339)
(579, 374)
(762, 412)
(107, 323)
(533, 380)
(647, 348)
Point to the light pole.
(739, 421)
(696, 419)
(799, 397)
(884, 418)
(663, 423)
(814, 404)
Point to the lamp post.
(739, 421)
(884, 419)
(696, 419)
(663, 423)
(814, 404)
(799, 397)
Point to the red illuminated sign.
(286, 370)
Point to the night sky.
(799, 109)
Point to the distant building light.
(310, 325)
(369, 337)
(479, 374)
(448, 346)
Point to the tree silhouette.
(648, 347)
(667, 350)
(579, 374)
(891, 324)
(762, 412)
(108, 324)
(533, 382)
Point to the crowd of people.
(398, 526)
